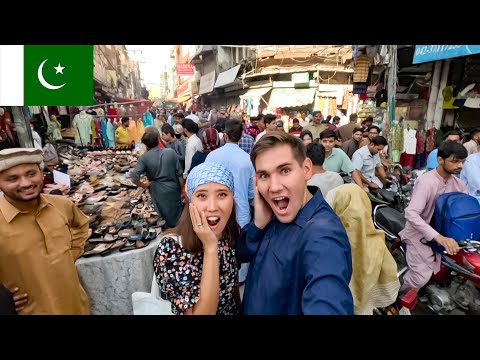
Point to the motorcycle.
(454, 289)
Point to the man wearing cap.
(178, 130)
(41, 236)
(279, 125)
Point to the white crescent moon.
(42, 79)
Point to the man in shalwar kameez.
(418, 234)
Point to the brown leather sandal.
(98, 249)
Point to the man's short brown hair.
(276, 139)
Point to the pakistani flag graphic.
(58, 75)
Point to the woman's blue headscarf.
(208, 172)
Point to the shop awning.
(227, 77)
(291, 97)
(179, 99)
(202, 50)
(253, 93)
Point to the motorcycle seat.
(391, 219)
(388, 196)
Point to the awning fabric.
(179, 99)
(225, 78)
(291, 97)
(252, 93)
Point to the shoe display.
(122, 216)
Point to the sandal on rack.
(116, 245)
(97, 249)
(129, 245)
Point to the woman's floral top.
(179, 273)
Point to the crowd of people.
(246, 202)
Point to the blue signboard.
(426, 53)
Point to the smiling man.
(41, 236)
(299, 253)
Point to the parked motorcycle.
(455, 288)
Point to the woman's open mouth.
(281, 203)
(213, 221)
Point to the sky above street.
(153, 60)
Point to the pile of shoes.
(122, 216)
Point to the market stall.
(124, 225)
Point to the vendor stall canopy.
(291, 97)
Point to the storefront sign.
(183, 88)
(206, 83)
(185, 69)
(301, 79)
(426, 53)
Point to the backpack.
(457, 215)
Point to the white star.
(59, 68)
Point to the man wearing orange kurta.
(41, 237)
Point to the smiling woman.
(204, 257)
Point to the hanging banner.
(426, 53)
(185, 69)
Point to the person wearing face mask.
(299, 254)
(195, 263)
(418, 234)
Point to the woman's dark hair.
(306, 132)
(190, 240)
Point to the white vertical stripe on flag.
(11, 75)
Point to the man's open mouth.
(281, 202)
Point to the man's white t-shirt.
(326, 181)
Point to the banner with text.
(185, 69)
(426, 53)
